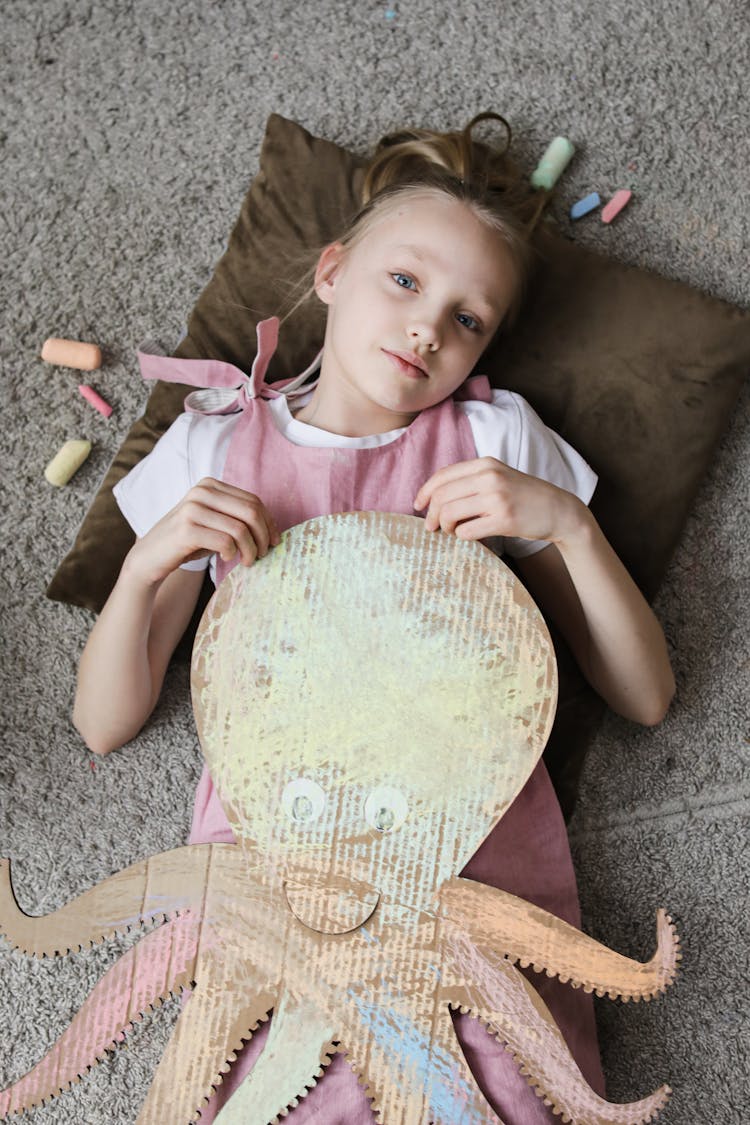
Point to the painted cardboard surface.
(370, 698)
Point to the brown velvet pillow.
(638, 373)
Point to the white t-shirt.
(196, 445)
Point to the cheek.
(359, 305)
(458, 366)
(343, 316)
(465, 348)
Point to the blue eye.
(464, 317)
(401, 277)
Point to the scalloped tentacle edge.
(608, 1113)
(327, 1052)
(152, 890)
(664, 965)
(107, 1012)
(501, 923)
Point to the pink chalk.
(96, 400)
(615, 205)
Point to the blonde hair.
(411, 163)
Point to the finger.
(238, 505)
(227, 545)
(480, 528)
(211, 484)
(455, 512)
(449, 493)
(444, 476)
(216, 485)
(233, 535)
(261, 526)
(273, 527)
(220, 543)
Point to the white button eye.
(386, 809)
(303, 800)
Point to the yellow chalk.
(67, 461)
(72, 353)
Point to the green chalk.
(553, 163)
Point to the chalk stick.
(67, 461)
(616, 204)
(72, 353)
(555, 160)
(589, 203)
(96, 400)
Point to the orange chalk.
(72, 353)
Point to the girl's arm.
(581, 585)
(578, 581)
(126, 656)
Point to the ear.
(327, 269)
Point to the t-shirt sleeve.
(510, 430)
(192, 448)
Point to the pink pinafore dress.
(527, 853)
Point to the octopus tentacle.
(531, 936)
(156, 887)
(162, 963)
(411, 1065)
(299, 1047)
(445, 1047)
(513, 1011)
(194, 1064)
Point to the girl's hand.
(484, 497)
(579, 582)
(213, 518)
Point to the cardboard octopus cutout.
(370, 698)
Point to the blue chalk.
(583, 206)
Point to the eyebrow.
(489, 304)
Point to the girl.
(417, 288)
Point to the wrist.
(137, 576)
(578, 529)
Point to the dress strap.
(224, 388)
(476, 387)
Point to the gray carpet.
(131, 131)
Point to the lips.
(408, 363)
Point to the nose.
(424, 332)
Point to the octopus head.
(370, 698)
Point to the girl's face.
(411, 308)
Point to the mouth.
(408, 363)
(339, 906)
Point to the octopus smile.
(339, 907)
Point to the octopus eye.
(385, 809)
(303, 800)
